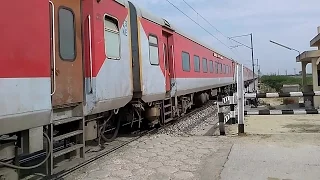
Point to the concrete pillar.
(316, 99)
(304, 75)
(319, 33)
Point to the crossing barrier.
(277, 95)
(241, 98)
(283, 112)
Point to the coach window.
(217, 67)
(185, 61)
(196, 61)
(67, 42)
(204, 65)
(211, 66)
(111, 38)
(154, 50)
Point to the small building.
(312, 57)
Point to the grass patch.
(277, 82)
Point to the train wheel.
(111, 129)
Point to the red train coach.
(181, 67)
(25, 84)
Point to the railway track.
(99, 152)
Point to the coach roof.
(147, 15)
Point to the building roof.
(307, 56)
(315, 42)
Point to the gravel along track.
(194, 123)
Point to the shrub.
(276, 82)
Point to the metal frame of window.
(217, 67)
(74, 34)
(206, 60)
(211, 68)
(154, 45)
(116, 21)
(188, 60)
(195, 63)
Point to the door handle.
(90, 53)
(173, 61)
(53, 49)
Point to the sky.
(290, 22)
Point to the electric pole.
(259, 72)
(258, 69)
(252, 56)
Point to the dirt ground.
(284, 129)
(274, 147)
(280, 124)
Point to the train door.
(67, 67)
(167, 57)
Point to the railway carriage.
(81, 69)
(107, 61)
(174, 65)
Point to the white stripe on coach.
(296, 94)
(317, 93)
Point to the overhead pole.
(252, 54)
(258, 69)
(252, 58)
